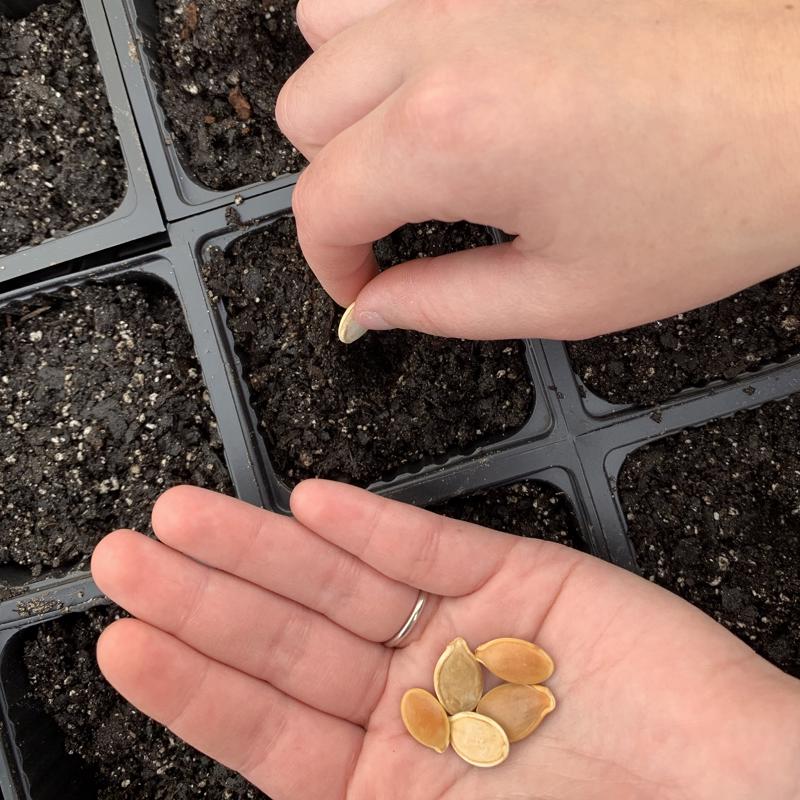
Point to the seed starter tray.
(574, 440)
(138, 214)
(160, 268)
(134, 26)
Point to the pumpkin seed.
(480, 741)
(518, 709)
(515, 660)
(458, 678)
(349, 330)
(425, 719)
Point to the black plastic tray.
(138, 215)
(33, 761)
(573, 441)
(216, 229)
(134, 25)
(191, 297)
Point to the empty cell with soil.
(61, 166)
(120, 751)
(532, 509)
(102, 407)
(389, 402)
(742, 333)
(220, 66)
(713, 515)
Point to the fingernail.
(373, 321)
(349, 330)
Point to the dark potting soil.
(359, 412)
(647, 365)
(528, 508)
(61, 166)
(102, 407)
(221, 65)
(713, 514)
(129, 755)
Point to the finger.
(241, 625)
(321, 20)
(341, 83)
(475, 294)
(276, 742)
(409, 544)
(403, 162)
(271, 551)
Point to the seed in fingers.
(458, 678)
(515, 660)
(517, 708)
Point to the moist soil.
(361, 412)
(102, 407)
(61, 166)
(647, 365)
(528, 508)
(129, 755)
(220, 65)
(713, 515)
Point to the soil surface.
(131, 756)
(61, 166)
(529, 508)
(221, 65)
(102, 407)
(713, 514)
(647, 365)
(360, 412)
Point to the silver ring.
(409, 624)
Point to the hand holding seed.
(506, 714)
(643, 170)
(258, 639)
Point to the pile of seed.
(481, 727)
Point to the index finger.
(321, 20)
(409, 544)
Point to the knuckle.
(166, 506)
(192, 611)
(266, 735)
(285, 110)
(339, 587)
(302, 206)
(291, 640)
(307, 15)
(437, 112)
(429, 553)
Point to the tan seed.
(425, 719)
(480, 741)
(458, 678)
(515, 660)
(349, 330)
(517, 708)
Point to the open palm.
(258, 640)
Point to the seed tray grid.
(216, 229)
(138, 214)
(189, 293)
(575, 440)
(134, 25)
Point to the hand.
(258, 641)
(645, 154)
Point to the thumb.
(495, 292)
